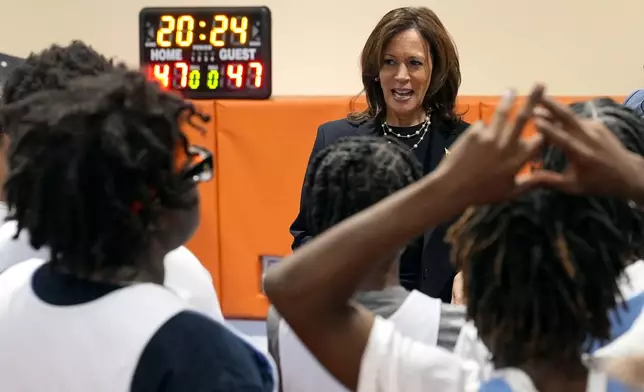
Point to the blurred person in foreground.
(102, 175)
(582, 245)
(623, 358)
(53, 69)
(594, 228)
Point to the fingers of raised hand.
(514, 131)
(543, 178)
(543, 113)
(562, 113)
(532, 147)
(573, 147)
(598, 133)
(502, 112)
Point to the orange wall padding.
(488, 105)
(261, 151)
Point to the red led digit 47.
(249, 74)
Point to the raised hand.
(599, 163)
(484, 161)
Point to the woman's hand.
(483, 163)
(599, 163)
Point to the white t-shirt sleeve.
(393, 362)
(470, 348)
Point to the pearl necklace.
(422, 131)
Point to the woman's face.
(405, 73)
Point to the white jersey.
(629, 336)
(470, 347)
(63, 334)
(392, 363)
(184, 273)
(101, 342)
(417, 318)
(515, 380)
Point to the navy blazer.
(435, 271)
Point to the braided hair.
(624, 122)
(541, 272)
(53, 68)
(84, 156)
(352, 174)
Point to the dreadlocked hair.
(624, 122)
(352, 174)
(84, 156)
(541, 272)
(53, 68)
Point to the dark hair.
(7, 65)
(353, 174)
(623, 121)
(541, 272)
(446, 73)
(53, 68)
(93, 164)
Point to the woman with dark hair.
(411, 76)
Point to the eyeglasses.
(201, 165)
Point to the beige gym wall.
(579, 47)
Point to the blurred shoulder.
(190, 280)
(184, 260)
(635, 101)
